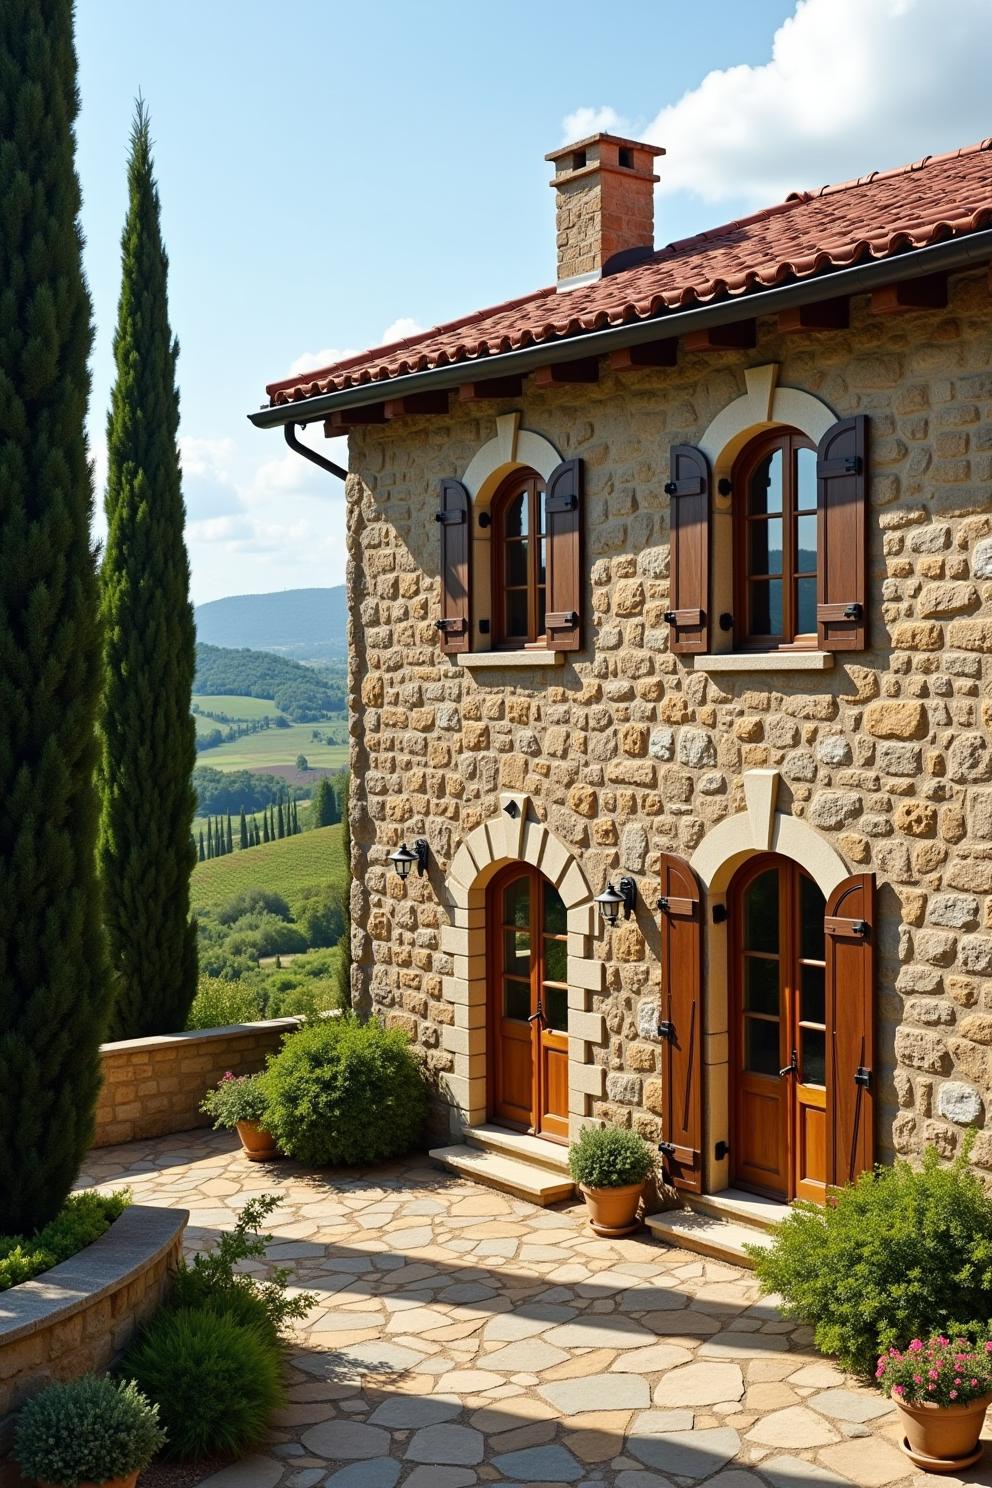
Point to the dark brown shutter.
(689, 550)
(842, 529)
(563, 505)
(850, 940)
(456, 540)
(681, 1023)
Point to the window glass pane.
(761, 986)
(805, 545)
(516, 952)
(765, 487)
(765, 555)
(555, 960)
(542, 561)
(806, 480)
(554, 912)
(542, 516)
(541, 611)
(766, 607)
(812, 907)
(516, 612)
(806, 606)
(761, 1054)
(812, 1057)
(516, 902)
(516, 562)
(761, 913)
(555, 1004)
(516, 516)
(812, 1008)
(516, 1000)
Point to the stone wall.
(153, 1086)
(79, 1316)
(627, 751)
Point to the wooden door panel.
(515, 1072)
(554, 1085)
(811, 1144)
(760, 1137)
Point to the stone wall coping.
(765, 661)
(477, 660)
(200, 1035)
(133, 1244)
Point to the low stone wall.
(154, 1086)
(79, 1316)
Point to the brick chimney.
(605, 206)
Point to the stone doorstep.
(550, 1156)
(719, 1239)
(524, 1180)
(738, 1207)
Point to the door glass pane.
(806, 480)
(813, 1001)
(555, 1002)
(765, 547)
(806, 544)
(555, 960)
(516, 562)
(515, 518)
(765, 603)
(811, 911)
(541, 610)
(542, 561)
(542, 516)
(761, 986)
(812, 1056)
(516, 1000)
(761, 913)
(806, 606)
(516, 612)
(761, 1054)
(554, 912)
(516, 952)
(765, 488)
(516, 902)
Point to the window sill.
(765, 661)
(478, 660)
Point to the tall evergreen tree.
(149, 740)
(324, 811)
(210, 838)
(202, 853)
(280, 823)
(229, 843)
(265, 826)
(243, 830)
(54, 978)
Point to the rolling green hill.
(309, 624)
(304, 693)
(285, 867)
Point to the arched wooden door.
(527, 957)
(779, 1031)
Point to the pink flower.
(917, 1379)
(915, 1345)
(954, 1394)
(897, 1390)
(934, 1374)
(931, 1387)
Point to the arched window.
(777, 542)
(520, 561)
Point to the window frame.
(536, 489)
(789, 441)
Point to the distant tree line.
(278, 821)
(221, 791)
(305, 694)
(236, 730)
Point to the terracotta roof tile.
(873, 217)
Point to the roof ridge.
(911, 168)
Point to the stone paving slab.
(464, 1337)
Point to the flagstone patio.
(463, 1337)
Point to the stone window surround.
(516, 836)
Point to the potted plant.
(239, 1101)
(941, 1387)
(610, 1165)
(85, 1432)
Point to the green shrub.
(341, 1091)
(219, 1003)
(235, 1098)
(253, 901)
(213, 1280)
(86, 1430)
(903, 1252)
(609, 1157)
(215, 1381)
(83, 1218)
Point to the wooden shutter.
(689, 550)
(842, 529)
(849, 924)
(681, 1023)
(563, 505)
(456, 540)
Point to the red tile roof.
(879, 215)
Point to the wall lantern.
(403, 859)
(612, 900)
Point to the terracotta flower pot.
(258, 1144)
(126, 1482)
(943, 1438)
(613, 1211)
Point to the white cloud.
(585, 121)
(850, 86)
(313, 361)
(400, 329)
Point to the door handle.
(790, 1069)
(538, 1016)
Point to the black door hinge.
(666, 1028)
(668, 1148)
(721, 1150)
(862, 1077)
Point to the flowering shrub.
(941, 1371)
(235, 1098)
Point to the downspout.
(289, 432)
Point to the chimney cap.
(592, 139)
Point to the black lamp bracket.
(627, 889)
(421, 849)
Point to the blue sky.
(330, 171)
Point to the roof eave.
(952, 254)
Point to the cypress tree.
(243, 831)
(54, 978)
(229, 844)
(265, 825)
(210, 838)
(149, 736)
(202, 853)
(280, 823)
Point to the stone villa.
(671, 656)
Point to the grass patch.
(244, 709)
(285, 867)
(278, 748)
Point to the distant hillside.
(302, 692)
(306, 624)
